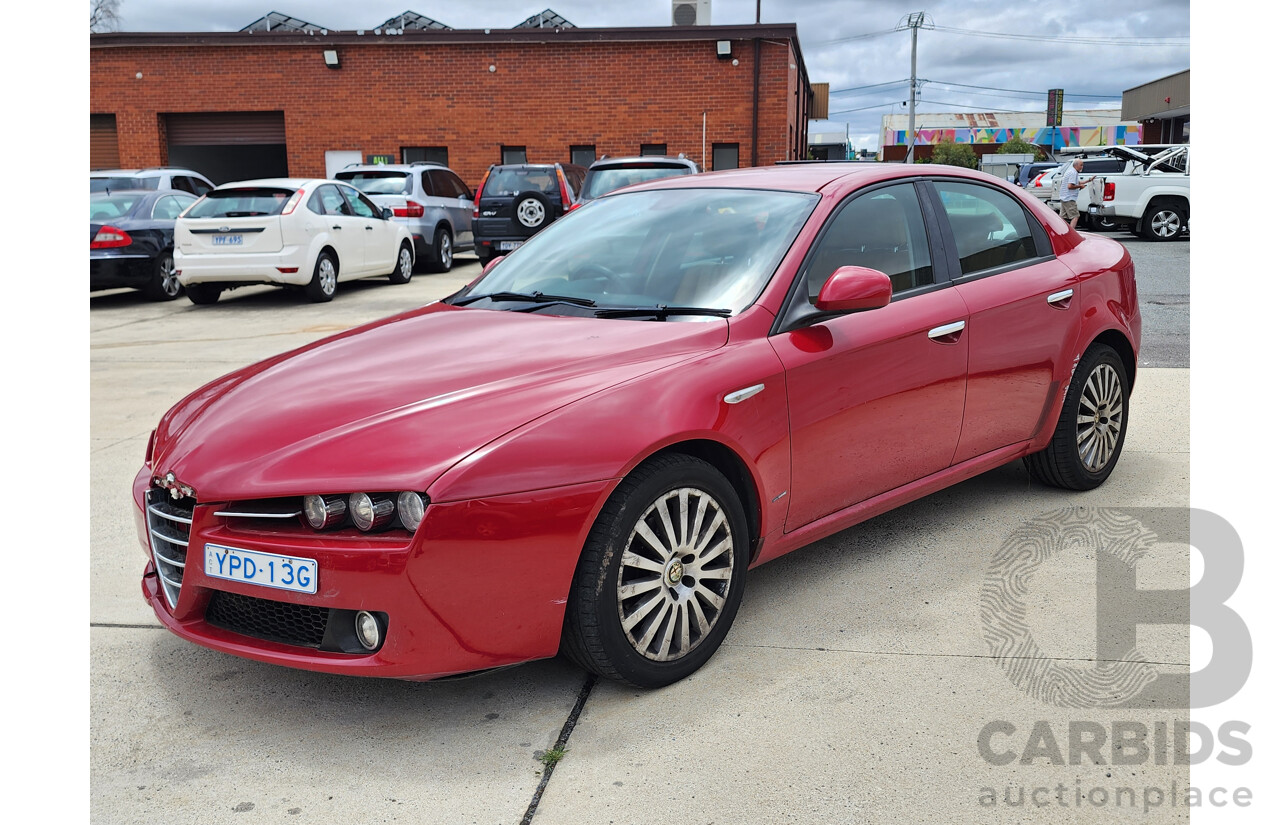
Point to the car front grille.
(291, 624)
(169, 526)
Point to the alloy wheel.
(1099, 417)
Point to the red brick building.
(255, 104)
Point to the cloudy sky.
(978, 56)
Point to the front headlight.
(371, 512)
(323, 512)
(411, 507)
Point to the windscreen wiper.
(660, 311)
(531, 297)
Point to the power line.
(1180, 40)
(1015, 91)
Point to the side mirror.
(387, 214)
(853, 288)
(489, 266)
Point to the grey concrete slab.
(179, 733)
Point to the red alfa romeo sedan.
(587, 448)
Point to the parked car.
(517, 200)
(160, 177)
(428, 198)
(1151, 198)
(131, 240)
(1046, 185)
(309, 234)
(607, 174)
(1028, 172)
(688, 378)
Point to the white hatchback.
(290, 232)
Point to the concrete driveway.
(855, 685)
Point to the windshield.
(713, 249)
(105, 207)
(602, 181)
(379, 183)
(240, 203)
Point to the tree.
(1018, 146)
(954, 154)
(104, 16)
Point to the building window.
(582, 155)
(513, 154)
(430, 154)
(653, 148)
(724, 156)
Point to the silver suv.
(429, 198)
(159, 177)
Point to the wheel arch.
(734, 469)
(1177, 201)
(1119, 342)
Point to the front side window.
(327, 200)
(882, 230)
(990, 227)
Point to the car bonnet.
(394, 404)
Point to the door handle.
(368, 228)
(335, 226)
(1060, 300)
(947, 333)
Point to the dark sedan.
(131, 240)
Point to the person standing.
(1069, 191)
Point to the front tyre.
(1090, 434)
(324, 281)
(662, 575)
(404, 265)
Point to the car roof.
(295, 183)
(656, 160)
(807, 177)
(150, 171)
(391, 167)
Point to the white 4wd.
(1153, 199)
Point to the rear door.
(345, 231)
(452, 195)
(1022, 314)
(232, 221)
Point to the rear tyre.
(324, 281)
(1163, 222)
(164, 285)
(441, 252)
(203, 294)
(661, 576)
(404, 265)
(1087, 442)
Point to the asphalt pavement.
(858, 682)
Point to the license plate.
(228, 240)
(507, 246)
(1093, 210)
(264, 569)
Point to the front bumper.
(481, 584)
(245, 268)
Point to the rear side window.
(327, 200)
(170, 207)
(111, 184)
(990, 228)
(505, 182)
(1106, 166)
(379, 183)
(445, 184)
(250, 202)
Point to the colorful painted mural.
(1060, 137)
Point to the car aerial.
(607, 174)
(158, 177)
(428, 198)
(308, 234)
(586, 448)
(516, 200)
(131, 240)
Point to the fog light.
(370, 513)
(411, 507)
(323, 512)
(367, 630)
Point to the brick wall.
(390, 93)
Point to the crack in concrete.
(561, 741)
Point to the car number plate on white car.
(265, 569)
(1093, 209)
(228, 240)
(507, 246)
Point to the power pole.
(914, 21)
